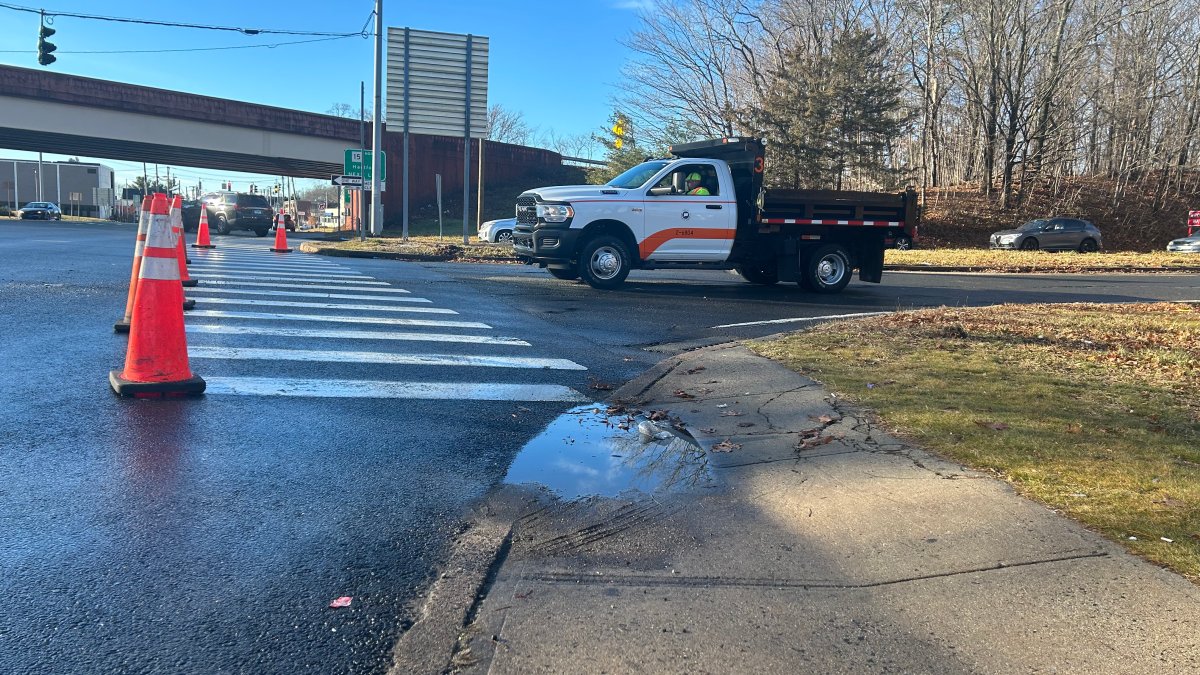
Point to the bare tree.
(507, 126)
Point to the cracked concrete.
(853, 552)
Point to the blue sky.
(558, 63)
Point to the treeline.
(997, 93)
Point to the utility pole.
(40, 189)
(362, 145)
(377, 123)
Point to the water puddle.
(591, 450)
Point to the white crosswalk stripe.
(241, 274)
(221, 329)
(379, 320)
(285, 276)
(248, 353)
(325, 305)
(304, 294)
(312, 286)
(453, 391)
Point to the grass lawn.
(986, 260)
(1091, 409)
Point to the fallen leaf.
(656, 415)
(745, 424)
(708, 431)
(1074, 428)
(827, 419)
(726, 446)
(679, 393)
(343, 601)
(995, 426)
(695, 370)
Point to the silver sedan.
(1186, 245)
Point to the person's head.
(693, 180)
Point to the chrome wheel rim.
(605, 263)
(831, 269)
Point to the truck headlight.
(554, 213)
(1008, 238)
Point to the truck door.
(690, 225)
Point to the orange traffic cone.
(176, 217)
(202, 240)
(122, 326)
(156, 362)
(280, 236)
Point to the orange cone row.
(156, 361)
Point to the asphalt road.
(211, 534)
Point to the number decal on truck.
(758, 165)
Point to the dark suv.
(238, 211)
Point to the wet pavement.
(589, 451)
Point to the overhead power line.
(50, 14)
(191, 49)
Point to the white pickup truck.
(646, 218)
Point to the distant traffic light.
(275, 189)
(44, 48)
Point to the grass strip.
(1091, 409)
(986, 260)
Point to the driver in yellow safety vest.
(693, 185)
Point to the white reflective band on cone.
(160, 235)
(162, 269)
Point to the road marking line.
(325, 305)
(457, 391)
(234, 279)
(354, 334)
(251, 353)
(244, 271)
(375, 320)
(802, 319)
(299, 284)
(299, 294)
(265, 262)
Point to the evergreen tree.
(827, 115)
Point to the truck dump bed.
(836, 207)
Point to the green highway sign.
(358, 163)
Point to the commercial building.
(79, 188)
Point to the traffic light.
(253, 188)
(275, 189)
(44, 48)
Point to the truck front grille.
(527, 209)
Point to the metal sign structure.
(437, 84)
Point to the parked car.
(41, 210)
(191, 215)
(903, 243)
(229, 211)
(1050, 234)
(497, 231)
(1185, 245)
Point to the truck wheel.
(826, 270)
(604, 262)
(564, 274)
(757, 273)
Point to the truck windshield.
(638, 175)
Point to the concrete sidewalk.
(854, 553)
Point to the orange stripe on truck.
(651, 244)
